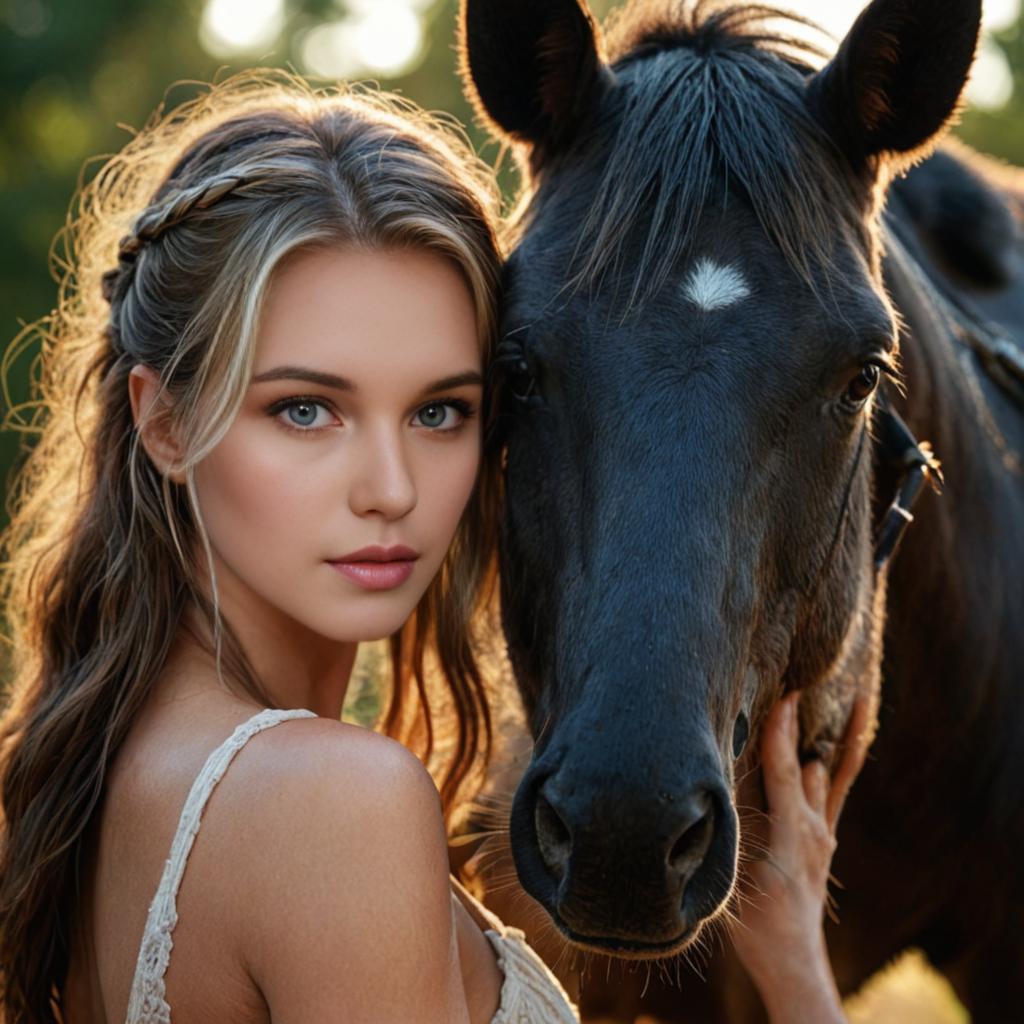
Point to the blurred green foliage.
(75, 78)
(1001, 132)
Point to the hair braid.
(157, 219)
(152, 223)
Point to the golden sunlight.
(383, 38)
(232, 27)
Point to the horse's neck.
(977, 432)
(956, 573)
(928, 349)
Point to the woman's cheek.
(454, 486)
(254, 496)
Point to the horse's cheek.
(856, 671)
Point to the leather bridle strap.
(915, 463)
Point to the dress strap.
(484, 919)
(146, 1004)
(530, 992)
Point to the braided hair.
(154, 222)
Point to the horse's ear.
(529, 66)
(896, 81)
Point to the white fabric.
(530, 993)
(146, 1004)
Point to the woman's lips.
(376, 575)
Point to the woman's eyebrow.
(327, 380)
(330, 380)
(458, 380)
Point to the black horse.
(714, 300)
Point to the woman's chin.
(358, 625)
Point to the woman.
(265, 447)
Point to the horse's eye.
(521, 382)
(861, 388)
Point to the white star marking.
(711, 286)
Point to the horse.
(744, 278)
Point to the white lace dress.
(530, 993)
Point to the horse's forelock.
(712, 93)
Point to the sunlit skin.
(778, 930)
(361, 427)
(325, 845)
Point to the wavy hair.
(170, 249)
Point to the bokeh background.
(77, 77)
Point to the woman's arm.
(351, 915)
(779, 936)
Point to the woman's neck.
(294, 669)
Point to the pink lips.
(377, 568)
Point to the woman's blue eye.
(303, 413)
(440, 416)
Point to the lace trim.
(530, 993)
(147, 1004)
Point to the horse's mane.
(715, 98)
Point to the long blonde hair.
(170, 251)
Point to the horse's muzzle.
(626, 869)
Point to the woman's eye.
(305, 414)
(440, 416)
(861, 388)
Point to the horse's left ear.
(531, 67)
(896, 81)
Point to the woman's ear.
(151, 415)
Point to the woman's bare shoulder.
(318, 780)
(303, 745)
(345, 860)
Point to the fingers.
(816, 788)
(785, 782)
(855, 745)
(780, 766)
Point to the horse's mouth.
(627, 949)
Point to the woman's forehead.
(349, 311)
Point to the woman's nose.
(384, 484)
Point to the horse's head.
(696, 332)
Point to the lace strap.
(147, 1005)
(484, 919)
(530, 991)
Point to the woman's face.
(360, 430)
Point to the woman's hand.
(778, 935)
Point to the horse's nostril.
(690, 848)
(553, 836)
